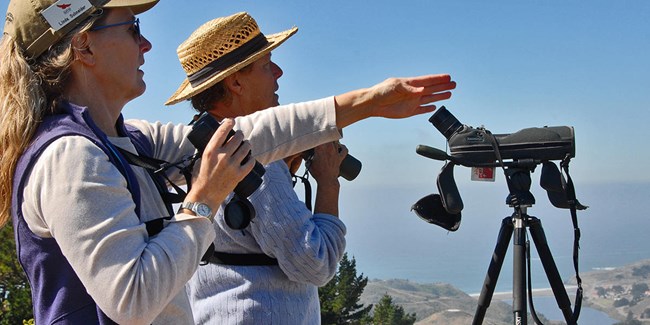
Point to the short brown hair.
(206, 99)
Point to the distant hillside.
(436, 303)
(620, 292)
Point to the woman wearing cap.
(79, 208)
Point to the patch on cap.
(63, 12)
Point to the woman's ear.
(81, 47)
(232, 83)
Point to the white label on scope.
(483, 174)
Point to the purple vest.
(58, 295)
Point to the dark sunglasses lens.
(136, 28)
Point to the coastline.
(541, 292)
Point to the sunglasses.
(135, 23)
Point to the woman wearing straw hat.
(79, 209)
(269, 272)
(279, 261)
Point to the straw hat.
(38, 24)
(220, 48)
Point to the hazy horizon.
(390, 241)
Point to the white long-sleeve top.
(78, 197)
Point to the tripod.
(520, 199)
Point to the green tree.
(621, 302)
(15, 294)
(339, 298)
(638, 291)
(630, 320)
(646, 313)
(387, 313)
(642, 271)
(618, 289)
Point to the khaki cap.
(38, 24)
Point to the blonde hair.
(29, 91)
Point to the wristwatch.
(201, 209)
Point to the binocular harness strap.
(156, 169)
(305, 181)
(221, 258)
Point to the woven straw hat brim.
(138, 6)
(186, 90)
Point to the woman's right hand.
(221, 167)
(393, 98)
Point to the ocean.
(548, 307)
(388, 241)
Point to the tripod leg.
(561, 297)
(519, 306)
(503, 239)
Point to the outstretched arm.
(393, 98)
(285, 130)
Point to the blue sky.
(518, 64)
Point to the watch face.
(203, 210)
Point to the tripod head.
(519, 182)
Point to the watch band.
(200, 209)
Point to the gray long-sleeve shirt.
(308, 248)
